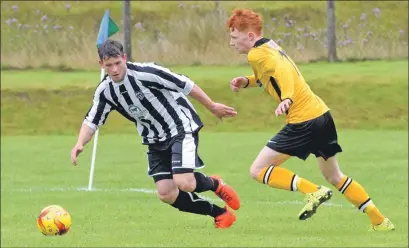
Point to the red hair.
(245, 20)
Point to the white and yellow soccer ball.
(54, 220)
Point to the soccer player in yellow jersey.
(309, 129)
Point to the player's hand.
(221, 110)
(237, 82)
(78, 148)
(283, 107)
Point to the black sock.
(190, 202)
(216, 211)
(205, 183)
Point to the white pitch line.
(153, 191)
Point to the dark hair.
(110, 49)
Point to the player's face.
(241, 41)
(115, 67)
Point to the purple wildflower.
(68, 7)
(57, 26)
(138, 25)
(347, 41)
(363, 17)
(376, 11)
(14, 7)
(289, 23)
(44, 18)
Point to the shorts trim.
(160, 173)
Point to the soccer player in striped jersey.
(309, 129)
(154, 99)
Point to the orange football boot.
(225, 220)
(227, 194)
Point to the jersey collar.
(261, 42)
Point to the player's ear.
(125, 57)
(251, 36)
(100, 63)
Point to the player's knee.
(168, 195)
(167, 191)
(254, 172)
(334, 178)
(185, 182)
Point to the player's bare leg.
(354, 193)
(198, 182)
(265, 169)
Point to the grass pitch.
(124, 211)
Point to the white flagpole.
(94, 151)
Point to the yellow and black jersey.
(275, 71)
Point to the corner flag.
(107, 28)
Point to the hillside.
(63, 34)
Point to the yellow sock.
(357, 195)
(281, 178)
(374, 214)
(305, 186)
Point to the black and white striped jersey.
(151, 96)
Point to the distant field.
(369, 72)
(362, 95)
(125, 212)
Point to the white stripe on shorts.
(189, 152)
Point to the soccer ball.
(54, 220)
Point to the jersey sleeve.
(252, 81)
(99, 111)
(161, 77)
(180, 83)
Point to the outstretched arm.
(218, 109)
(95, 118)
(84, 137)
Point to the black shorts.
(317, 136)
(174, 156)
